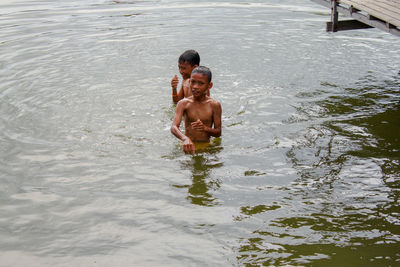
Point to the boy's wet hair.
(204, 71)
(190, 56)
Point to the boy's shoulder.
(185, 101)
(213, 101)
(189, 100)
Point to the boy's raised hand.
(174, 82)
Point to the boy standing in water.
(189, 60)
(202, 113)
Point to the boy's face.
(185, 69)
(199, 85)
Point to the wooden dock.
(380, 14)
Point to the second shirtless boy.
(189, 60)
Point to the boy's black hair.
(190, 56)
(203, 70)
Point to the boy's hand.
(174, 82)
(188, 146)
(198, 125)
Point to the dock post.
(334, 17)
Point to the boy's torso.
(202, 111)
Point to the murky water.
(307, 171)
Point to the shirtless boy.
(189, 60)
(202, 113)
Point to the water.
(307, 171)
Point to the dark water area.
(306, 172)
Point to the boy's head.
(200, 82)
(189, 60)
(191, 57)
(204, 71)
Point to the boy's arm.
(174, 84)
(177, 96)
(217, 114)
(188, 146)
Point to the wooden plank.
(388, 11)
(384, 3)
(379, 9)
(383, 7)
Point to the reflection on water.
(201, 165)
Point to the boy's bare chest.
(202, 111)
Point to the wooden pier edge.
(383, 15)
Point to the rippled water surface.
(307, 171)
